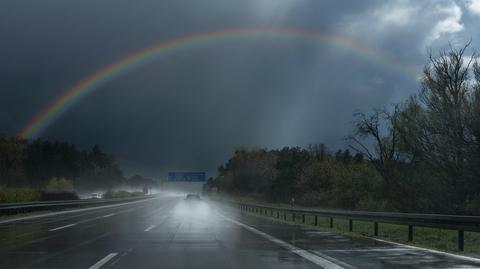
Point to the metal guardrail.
(450, 222)
(18, 208)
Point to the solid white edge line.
(62, 227)
(70, 211)
(457, 256)
(149, 228)
(460, 257)
(322, 262)
(109, 215)
(103, 261)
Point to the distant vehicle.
(192, 197)
(96, 196)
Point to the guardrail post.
(350, 225)
(278, 215)
(375, 228)
(331, 222)
(460, 240)
(316, 220)
(303, 218)
(284, 215)
(410, 233)
(293, 217)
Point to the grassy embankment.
(432, 238)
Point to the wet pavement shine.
(169, 232)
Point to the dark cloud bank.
(191, 109)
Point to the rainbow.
(74, 94)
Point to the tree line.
(59, 166)
(421, 155)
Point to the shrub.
(121, 194)
(59, 185)
(16, 195)
(313, 198)
(56, 196)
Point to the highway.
(169, 232)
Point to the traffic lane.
(51, 247)
(195, 236)
(31, 228)
(79, 249)
(356, 252)
(50, 216)
(186, 237)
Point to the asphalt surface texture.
(171, 232)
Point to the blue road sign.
(186, 176)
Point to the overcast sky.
(191, 109)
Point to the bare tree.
(380, 127)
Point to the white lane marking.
(338, 262)
(62, 227)
(150, 228)
(73, 211)
(322, 262)
(109, 215)
(460, 257)
(103, 261)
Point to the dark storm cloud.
(190, 109)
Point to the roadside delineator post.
(410, 233)
(460, 240)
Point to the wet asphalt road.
(168, 232)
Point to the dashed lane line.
(150, 228)
(103, 261)
(62, 227)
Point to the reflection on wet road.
(169, 232)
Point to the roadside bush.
(121, 194)
(16, 195)
(313, 198)
(59, 185)
(56, 196)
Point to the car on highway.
(95, 196)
